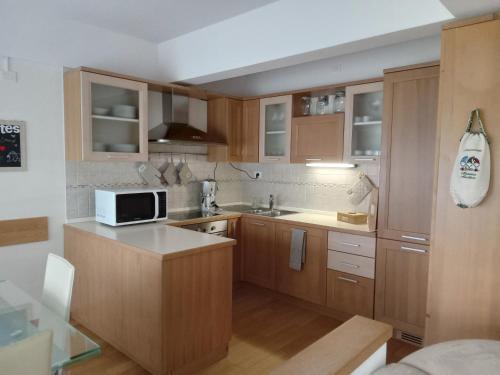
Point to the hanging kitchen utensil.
(359, 190)
(149, 174)
(470, 178)
(170, 173)
(185, 174)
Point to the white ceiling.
(152, 20)
(202, 41)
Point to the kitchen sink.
(270, 213)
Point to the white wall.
(36, 98)
(356, 66)
(30, 31)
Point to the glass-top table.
(21, 316)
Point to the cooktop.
(193, 214)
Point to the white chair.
(31, 356)
(58, 285)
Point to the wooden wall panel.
(19, 231)
(464, 298)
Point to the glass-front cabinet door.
(363, 122)
(275, 129)
(114, 118)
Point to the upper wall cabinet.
(363, 118)
(105, 117)
(317, 138)
(224, 121)
(275, 129)
(237, 122)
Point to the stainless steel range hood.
(176, 128)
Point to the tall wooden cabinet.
(310, 283)
(258, 241)
(405, 210)
(464, 298)
(407, 168)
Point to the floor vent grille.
(409, 338)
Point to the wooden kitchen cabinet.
(275, 129)
(363, 122)
(310, 283)
(258, 241)
(106, 118)
(401, 285)
(350, 294)
(408, 144)
(234, 232)
(317, 138)
(225, 121)
(250, 133)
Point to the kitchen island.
(160, 294)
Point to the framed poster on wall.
(12, 145)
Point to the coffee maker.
(209, 189)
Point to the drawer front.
(350, 294)
(352, 244)
(354, 264)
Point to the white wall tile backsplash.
(294, 186)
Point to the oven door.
(136, 207)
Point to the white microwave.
(130, 206)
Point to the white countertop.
(329, 221)
(155, 237)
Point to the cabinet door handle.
(348, 280)
(318, 159)
(349, 264)
(117, 156)
(364, 159)
(259, 224)
(421, 251)
(273, 159)
(350, 244)
(413, 238)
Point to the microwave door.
(136, 207)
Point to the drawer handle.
(350, 244)
(421, 251)
(414, 238)
(349, 264)
(259, 224)
(348, 280)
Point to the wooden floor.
(266, 332)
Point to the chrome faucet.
(271, 202)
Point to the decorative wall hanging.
(470, 178)
(359, 190)
(12, 145)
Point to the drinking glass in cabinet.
(339, 102)
(115, 119)
(306, 105)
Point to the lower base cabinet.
(350, 294)
(258, 240)
(401, 287)
(310, 283)
(234, 232)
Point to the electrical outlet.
(258, 174)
